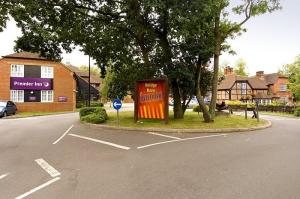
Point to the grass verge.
(190, 121)
(33, 114)
(278, 114)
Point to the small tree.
(293, 72)
(240, 68)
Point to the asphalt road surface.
(57, 157)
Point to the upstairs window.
(283, 87)
(46, 72)
(17, 70)
(244, 88)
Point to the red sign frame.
(151, 100)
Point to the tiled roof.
(261, 95)
(83, 74)
(229, 81)
(25, 55)
(256, 83)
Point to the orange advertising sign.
(152, 99)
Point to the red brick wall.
(276, 88)
(64, 85)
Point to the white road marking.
(48, 168)
(37, 188)
(162, 135)
(3, 176)
(63, 135)
(185, 139)
(101, 141)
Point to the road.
(57, 157)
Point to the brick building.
(262, 87)
(37, 84)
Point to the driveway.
(58, 157)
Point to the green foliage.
(93, 118)
(240, 68)
(37, 43)
(86, 111)
(93, 115)
(4, 9)
(141, 39)
(293, 72)
(197, 109)
(297, 112)
(97, 104)
(94, 70)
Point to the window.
(17, 70)
(17, 95)
(282, 87)
(244, 88)
(46, 72)
(47, 96)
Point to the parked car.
(7, 108)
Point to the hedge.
(93, 115)
(297, 112)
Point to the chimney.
(228, 70)
(260, 75)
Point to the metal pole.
(89, 100)
(118, 120)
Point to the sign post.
(152, 100)
(117, 104)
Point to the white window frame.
(17, 96)
(244, 88)
(47, 72)
(17, 70)
(282, 87)
(47, 95)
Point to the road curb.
(228, 130)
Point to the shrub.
(95, 115)
(97, 104)
(86, 111)
(94, 118)
(197, 109)
(297, 112)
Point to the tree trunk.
(217, 52)
(177, 108)
(205, 111)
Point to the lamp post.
(89, 100)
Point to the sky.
(271, 41)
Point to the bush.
(297, 112)
(97, 104)
(93, 115)
(94, 118)
(197, 109)
(86, 111)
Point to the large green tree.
(170, 38)
(223, 29)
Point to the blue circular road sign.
(117, 104)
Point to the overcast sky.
(271, 41)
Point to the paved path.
(57, 157)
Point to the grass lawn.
(190, 121)
(32, 114)
(278, 114)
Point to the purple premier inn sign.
(24, 83)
